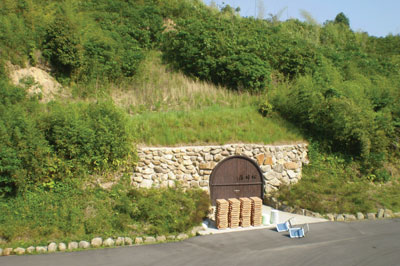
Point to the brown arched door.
(235, 177)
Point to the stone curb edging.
(342, 217)
(96, 242)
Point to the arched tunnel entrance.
(234, 177)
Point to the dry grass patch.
(158, 88)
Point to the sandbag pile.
(234, 212)
(256, 211)
(222, 213)
(245, 212)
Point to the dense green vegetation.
(43, 144)
(336, 86)
(68, 212)
(332, 185)
(177, 72)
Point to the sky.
(376, 17)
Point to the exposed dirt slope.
(36, 81)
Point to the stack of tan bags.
(222, 213)
(245, 212)
(234, 212)
(256, 211)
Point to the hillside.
(104, 76)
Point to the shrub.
(93, 136)
(24, 152)
(69, 212)
(331, 184)
(292, 56)
(265, 108)
(210, 53)
(341, 117)
(169, 210)
(62, 45)
(243, 72)
(39, 145)
(382, 175)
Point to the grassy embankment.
(168, 108)
(330, 184)
(202, 113)
(187, 112)
(184, 111)
(68, 212)
(342, 90)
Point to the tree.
(62, 45)
(342, 19)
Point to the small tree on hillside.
(342, 19)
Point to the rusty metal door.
(234, 177)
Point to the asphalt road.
(357, 243)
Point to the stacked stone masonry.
(192, 166)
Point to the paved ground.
(363, 243)
(266, 210)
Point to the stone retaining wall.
(192, 166)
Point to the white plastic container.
(274, 216)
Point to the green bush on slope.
(67, 212)
(331, 184)
(42, 143)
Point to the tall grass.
(70, 212)
(331, 184)
(212, 125)
(169, 108)
(158, 88)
